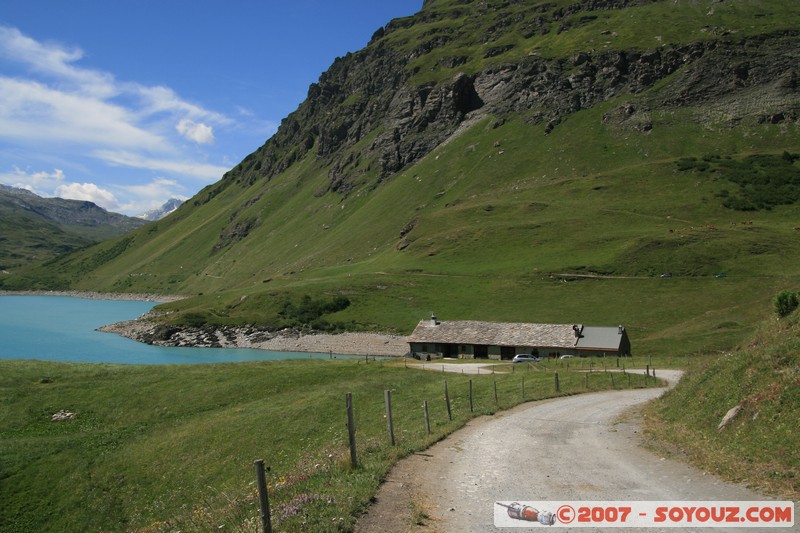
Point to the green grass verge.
(761, 446)
(166, 448)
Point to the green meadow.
(167, 448)
(760, 447)
(682, 231)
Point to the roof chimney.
(621, 330)
(577, 328)
(434, 322)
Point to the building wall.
(467, 351)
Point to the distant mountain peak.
(157, 214)
(33, 228)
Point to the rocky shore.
(285, 340)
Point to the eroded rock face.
(373, 93)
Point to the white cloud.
(201, 171)
(152, 195)
(88, 192)
(41, 183)
(197, 132)
(55, 184)
(55, 61)
(158, 99)
(32, 111)
(56, 101)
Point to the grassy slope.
(27, 236)
(760, 447)
(641, 27)
(33, 240)
(161, 448)
(617, 206)
(496, 213)
(490, 231)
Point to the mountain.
(33, 228)
(157, 214)
(507, 160)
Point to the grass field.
(761, 446)
(508, 221)
(166, 448)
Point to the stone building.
(468, 339)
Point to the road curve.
(573, 448)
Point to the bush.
(308, 312)
(785, 302)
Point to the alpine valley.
(598, 161)
(602, 162)
(34, 229)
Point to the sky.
(128, 103)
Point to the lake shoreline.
(285, 340)
(89, 295)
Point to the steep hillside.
(33, 228)
(759, 385)
(472, 154)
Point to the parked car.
(566, 356)
(526, 358)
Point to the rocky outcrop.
(160, 334)
(287, 340)
(374, 92)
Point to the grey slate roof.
(599, 338)
(515, 334)
(494, 334)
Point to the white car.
(526, 358)
(566, 356)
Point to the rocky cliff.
(376, 111)
(478, 154)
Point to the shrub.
(785, 302)
(308, 312)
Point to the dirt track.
(573, 448)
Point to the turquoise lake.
(62, 328)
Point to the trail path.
(576, 448)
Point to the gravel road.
(577, 448)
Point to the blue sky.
(129, 103)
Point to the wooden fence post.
(495, 391)
(613, 385)
(447, 399)
(351, 430)
(523, 388)
(387, 396)
(558, 387)
(263, 496)
(586, 380)
(471, 410)
(427, 418)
